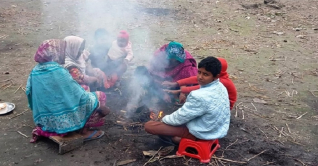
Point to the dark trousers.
(160, 128)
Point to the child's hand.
(80, 79)
(182, 98)
(172, 91)
(106, 84)
(126, 62)
(169, 84)
(167, 98)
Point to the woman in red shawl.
(171, 63)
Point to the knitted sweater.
(115, 52)
(206, 112)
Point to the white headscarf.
(73, 44)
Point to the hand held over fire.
(172, 91)
(168, 84)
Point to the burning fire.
(160, 114)
(154, 116)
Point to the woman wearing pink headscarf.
(60, 105)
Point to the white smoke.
(82, 18)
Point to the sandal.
(90, 137)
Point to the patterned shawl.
(59, 104)
(51, 50)
(162, 71)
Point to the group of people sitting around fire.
(65, 89)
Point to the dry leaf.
(257, 100)
(125, 162)
(149, 153)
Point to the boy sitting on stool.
(205, 114)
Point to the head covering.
(123, 35)
(175, 51)
(73, 44)
(224, 67)
(51, 50)
(158, 67)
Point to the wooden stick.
(115, 163)
(254, 106)
(256, 155)
(7, 86)
(272, 59)
(288, 128)
(6, 80)
(236, 108)
(300, 162)
(276, 128)
(170, 157)
(134, 123)
(262, 132)
(118, 91)
(302, 115)
(267, 163)
(289, 135)
(231, 144)
(228, 160)
(152, 157)
(19, 114)
(281, 132)
(295, 142)
(23, 134)
(220, 162)
(18, 88)
(243, 114)
(312, 92)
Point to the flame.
(160, 114)
(154, 116)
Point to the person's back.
(227, 82)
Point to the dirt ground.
(272, 53)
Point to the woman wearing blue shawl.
(59, 104)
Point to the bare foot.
(176, 139)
